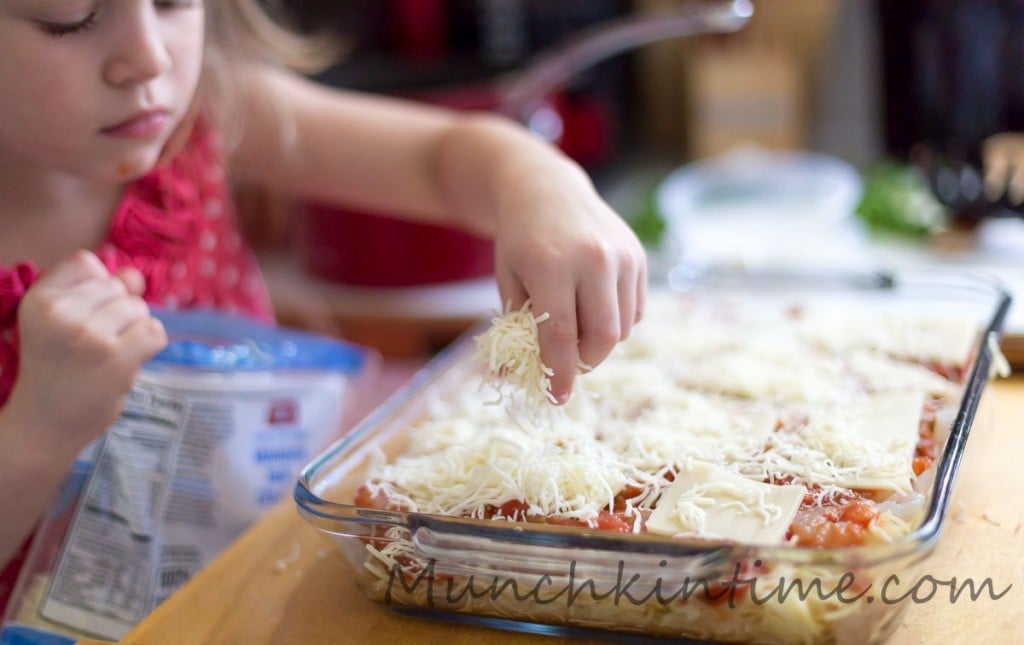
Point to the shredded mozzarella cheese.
(740, 386)
(511, 351)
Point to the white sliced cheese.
(947, 339)
(881, 374)
(712, 502)
(892, 421)
(865, 445)
(782, 372)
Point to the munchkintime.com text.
(741, 586)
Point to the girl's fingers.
(511, 291)
(626, 292)
(86, 297)
(72, 303)
(557, 335)
(81, 266)
(627, 295)
(599, 319)
(132, 279)
(143, 339)
(641, 293)
(1015, 186)
(75, 287)
(115, 316)
(997, 171)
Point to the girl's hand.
(84, 334)
(556, 241)
(560, 245)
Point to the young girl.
(115, 117)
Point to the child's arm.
(556, 241)
(84, 334)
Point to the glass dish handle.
(485, 558)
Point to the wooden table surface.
(281, 582)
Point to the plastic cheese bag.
(214, 431)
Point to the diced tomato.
(928, 412)
(926, 451)
(820, 531)
(780, 479)
(629, 492)
(922, 464)
(559, 520)
(834, 526)
(952, 372)
(365, 498)
(607, 521)
(514, 509)
(859, 511)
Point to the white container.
(755, 208)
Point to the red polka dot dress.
(177, 225)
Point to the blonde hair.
(239, 32)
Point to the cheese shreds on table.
(782, 394)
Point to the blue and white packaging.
(214, 431)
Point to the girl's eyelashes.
(65, 28)
(174, 4)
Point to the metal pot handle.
(524, 93)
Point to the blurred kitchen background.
(822, 134)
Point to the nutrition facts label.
(104, 575)
(181, 473)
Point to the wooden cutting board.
(282, 583)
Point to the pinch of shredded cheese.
(511, 351)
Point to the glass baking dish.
(571, 581)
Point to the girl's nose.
(139, 53)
